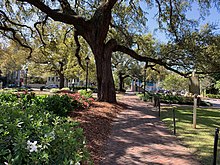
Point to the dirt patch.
(97, 124)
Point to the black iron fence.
(215, 146)
(156, 101)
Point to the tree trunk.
(62, 79)
(106, 87)
(61, 75)
(121, 79)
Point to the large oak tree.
(95, 20)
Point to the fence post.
(194, 111)
(215, 146)
(174, 122)
(155, 101)
(158, 101)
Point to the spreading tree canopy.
(97, 21)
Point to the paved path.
(139, 138)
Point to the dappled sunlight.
(139, 137)
(200, 139)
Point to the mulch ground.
(97, 124)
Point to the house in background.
(138, 86)
(67, 82)
(16, 78)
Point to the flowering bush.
(84, 93)
(36, 136)
(84, 101)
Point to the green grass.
(201, 139)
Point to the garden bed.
(97, 123)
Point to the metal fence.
(215, 146)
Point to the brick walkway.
(140, 138)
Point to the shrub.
(86, 94)
(60, 105)
(55, 90)
(213, 96)
(84, 101)
(35, 136)
(173, 99)
(66, 89)
(94, 89)
(8, 97)
(148, 96)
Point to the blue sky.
(213, 17)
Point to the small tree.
(175, 82)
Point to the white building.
(137, 85)
(67, 82)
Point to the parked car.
(49, 86)
(24, 87)
(12, 86)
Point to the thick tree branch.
(78, 22)
(65, 35)
(66, 7)
(110, 45)
(134, 55)
(38, 31)
(6, 19)
(13, 31)
(78, 49)
(152, 68)
(110, 4)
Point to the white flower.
(77, 163)
(5, 163)
(32, 146)
(19, 124)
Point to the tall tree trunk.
(61, 75)
(62, 79)
(106, 87)
(121, 79)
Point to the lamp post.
(145, 70)
(26, 72)
(144, 80)
(87, 68)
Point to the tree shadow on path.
(139, 138)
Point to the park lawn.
(199, 140)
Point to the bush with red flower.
(83, 97)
